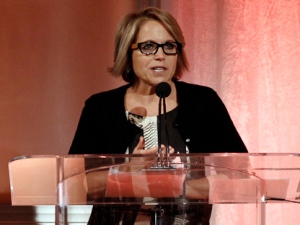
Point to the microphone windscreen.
(163, 90)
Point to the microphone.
(162, 90)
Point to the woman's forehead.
(152, 30)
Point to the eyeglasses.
(150, 47)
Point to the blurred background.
(55, 54)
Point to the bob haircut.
(126, 35)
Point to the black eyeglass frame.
(139, 46)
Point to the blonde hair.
(126, 35)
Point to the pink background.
(55, 54)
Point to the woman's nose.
(159, 55)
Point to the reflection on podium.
(248, 180)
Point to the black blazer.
(202, 121)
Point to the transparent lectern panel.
(34, 179)
(188, 185)
(93, 179)
(186, 181)
(280, 173)
(135, 179)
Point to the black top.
(203, 123)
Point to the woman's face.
(153, 68)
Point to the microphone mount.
(163, 90)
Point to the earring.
(128, 70)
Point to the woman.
(149, 49)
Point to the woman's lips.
(158, 68)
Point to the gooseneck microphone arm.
(159, 128)
(162, 90)
(166, 128)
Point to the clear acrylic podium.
(187, 180)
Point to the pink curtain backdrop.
(249, 52)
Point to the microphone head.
(163, 90)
